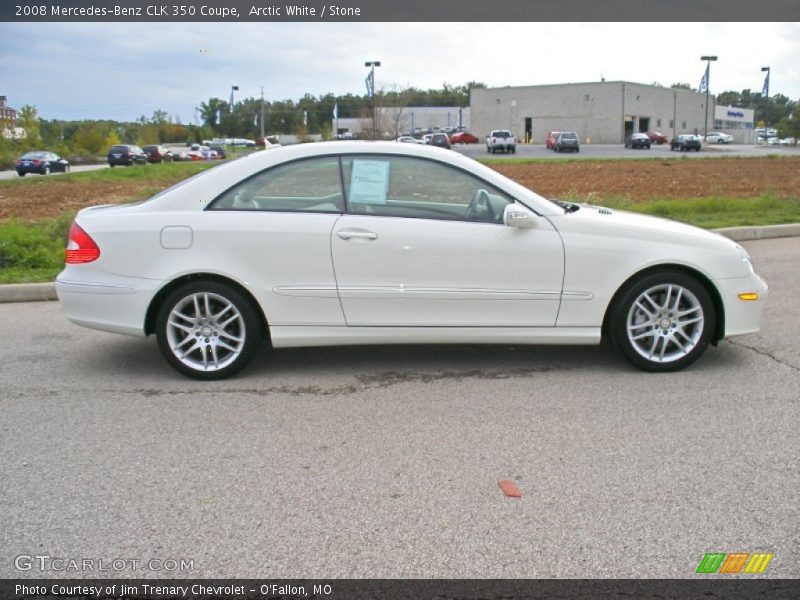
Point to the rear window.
(440, 136)
(501, 134)
(34, 155)
(569, 136)
(150, 148)
(119, 149)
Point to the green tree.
(28, 119)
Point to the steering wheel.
(480, 207)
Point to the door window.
(400, 186)
(311, 185)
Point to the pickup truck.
(501, 139)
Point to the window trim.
(210, 205)
(342, 157)
(346, 211)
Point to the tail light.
(37, 162)
(80, 247)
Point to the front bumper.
(742, 316)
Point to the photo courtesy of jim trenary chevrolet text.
(394, 299)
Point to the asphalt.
(32, 292)
(385, 461)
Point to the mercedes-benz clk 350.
(384, 243)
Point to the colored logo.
(734, 562)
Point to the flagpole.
(708, 60)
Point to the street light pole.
(709, 60)
(372, 64)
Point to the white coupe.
(385, 243)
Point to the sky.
(124, 70)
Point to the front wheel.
(208, 330)
(663, 321)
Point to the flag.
(370, 81)
(336, 111)
(765, 89)
(704, 81)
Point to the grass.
(714, 213)
(34, 251)
(577, 158)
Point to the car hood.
(599, 219)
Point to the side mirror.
(519, 217)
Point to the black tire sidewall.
(254, 334)
(619, 314)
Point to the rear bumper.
(107, 303)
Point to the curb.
(35, 292)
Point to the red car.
(550, 141)
(657, 138)
(462, 137)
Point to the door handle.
(351, 234)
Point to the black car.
(441, 140)
(127, 155)
(567, 141)
(638, 140)
(685, 142)
(157, 154)
(219, 149)
(41, 162)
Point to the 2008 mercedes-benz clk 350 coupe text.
(379, 243)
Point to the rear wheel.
(662, 321)
(208, 330)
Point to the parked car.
(126, 154)
(298, 246)
(41, 162)
(441, 140)
(219, 149)
(157, 154)
(789, 141)
(685, 142)
(567, 141)
(550, 140)
(180, 155)
(657, 137)
(407, 139)
(638, 140)
(501, 139)
(717, 137)
(426, 139)
(462, 137)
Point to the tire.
(222, 335)
(111, 165)
(21, 174)
(668, 332)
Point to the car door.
(423, 244)
(274, 231)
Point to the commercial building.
(604, 112)
(8, 116)
(738, 122)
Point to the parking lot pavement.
(384, 462)
(478, 151)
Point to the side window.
(311, 185)
(400, 186)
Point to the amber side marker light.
(748, 296)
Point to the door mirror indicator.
(519, 217)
